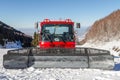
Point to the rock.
(105, 30)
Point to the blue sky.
(24, 13)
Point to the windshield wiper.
(47, 36)
(63, 40)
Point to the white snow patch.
(106, 46)
(16, 44)
(30, 69)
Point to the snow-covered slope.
(105, 45)
(55, 74)
(105, 29)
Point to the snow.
(58, 74)
(8, 45)
(107, 46)
(63, 74)
(16, 44)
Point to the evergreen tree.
(35, 41)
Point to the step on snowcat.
(57, 50)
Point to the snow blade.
(16, 59)
(58, 58)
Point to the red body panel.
(57, 44)
(48, 44)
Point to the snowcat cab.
(57, 34)
(57, 50)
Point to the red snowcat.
(57, 50)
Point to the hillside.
(10, 34)
(105, 30)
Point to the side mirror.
(77, 25)
(36, 25)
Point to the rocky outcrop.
(105, 29)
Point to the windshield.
(57, 32)
(57, 29)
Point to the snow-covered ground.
(16, 44)
(8, 45)
(106, 45)
(61, 74)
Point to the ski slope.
(56, 74)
